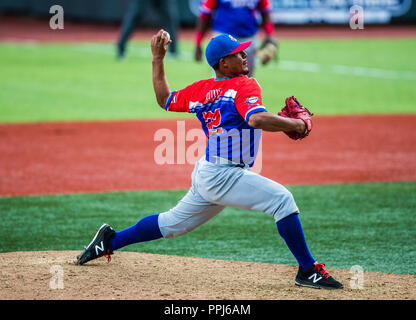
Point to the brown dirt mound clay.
(141, 276)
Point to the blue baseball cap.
(222, 46)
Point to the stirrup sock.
(145, 230)
(290, 229)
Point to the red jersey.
(223, 107)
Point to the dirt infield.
(51, 158)
(138, 276)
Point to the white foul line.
(109, 49)
(346, 70)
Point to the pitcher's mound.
(141, 276)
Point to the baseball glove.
(267, 51)
(293, 109)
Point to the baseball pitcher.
(232, 116)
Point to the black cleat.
(121, 51)
(99, 246)
(316, 277)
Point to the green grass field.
(372, 225)
(51, 82)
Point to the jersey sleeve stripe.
(254, 110)
(169, 100)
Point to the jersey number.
(213, 121)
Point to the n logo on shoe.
(315, 278)
(100, 248)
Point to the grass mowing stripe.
(371, 225)
(346, 70)
(356, 70)
(67, 82)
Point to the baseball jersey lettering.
(220, 113)
(212, 121)
(212, 95)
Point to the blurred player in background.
(168, 14)
(237, 18)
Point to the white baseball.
(167, 35)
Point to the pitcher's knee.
(171, 225)
(285, 206)
(172, 231)
(288, 198)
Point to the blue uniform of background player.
(232, 115)
(240, 18)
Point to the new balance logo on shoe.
(315, 278)
(99, 248)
